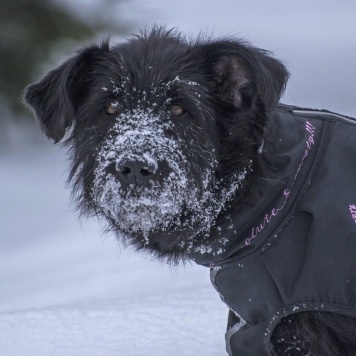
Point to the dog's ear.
(241, 73)
(53, 98)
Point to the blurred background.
(51, 261)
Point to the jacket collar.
(291, 146)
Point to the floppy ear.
(54, 98)
(242, 73)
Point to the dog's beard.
(171, 211)
(141, 210)
(163, 209)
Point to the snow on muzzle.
(142, 181)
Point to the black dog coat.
(295, 250)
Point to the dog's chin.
(142, 217)
(155, 216)
(164, 241)
(166, 236)
(167, 219)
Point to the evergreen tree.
(30, 30)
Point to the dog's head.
(162, 131)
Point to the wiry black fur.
(70, 98)
(315, 334)
(238, 86)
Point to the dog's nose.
(136, 172)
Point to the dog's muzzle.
(146, 184)
(142, 180)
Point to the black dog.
(183, 148)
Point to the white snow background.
(66, 289)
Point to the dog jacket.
(294, 250)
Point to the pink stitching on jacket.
(286, 193)
(353, 212)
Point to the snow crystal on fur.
(170, 204)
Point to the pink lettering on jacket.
(353, 212)
(310, 129)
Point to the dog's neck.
(243, 227)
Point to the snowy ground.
(65, 289)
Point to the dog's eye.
(177, 110)
(112, 108)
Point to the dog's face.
(154, 170)
(162, 132)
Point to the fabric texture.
(294, 249)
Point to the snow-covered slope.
(174, 324)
